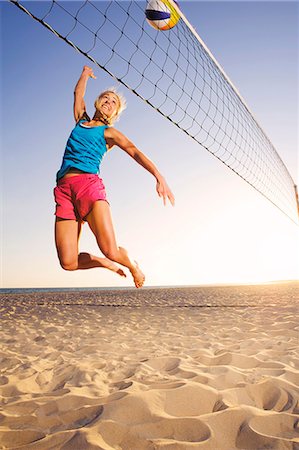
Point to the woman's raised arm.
(79, 92)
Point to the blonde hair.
(122, 104)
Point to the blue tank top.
(84, 149)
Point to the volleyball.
(161, 14)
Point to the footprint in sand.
(277, 426)
(164, 364)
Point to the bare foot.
(137, 275)
(108, 264)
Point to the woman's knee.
(70, 264)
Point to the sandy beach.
(190, 368)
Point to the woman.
(80, 194)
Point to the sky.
(221, 230)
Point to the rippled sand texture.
(78, 377)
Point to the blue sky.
(220, 230)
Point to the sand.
(77, 375)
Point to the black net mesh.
(174, 72)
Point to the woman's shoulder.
(111, 131)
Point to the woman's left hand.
(164, 191)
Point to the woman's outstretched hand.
(164, 191)
(89, 72)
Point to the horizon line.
(260, 283)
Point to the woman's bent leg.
(67, 233)
(100, 222)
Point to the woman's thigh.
(100, 223)
(67, 233)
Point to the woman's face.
(108, 104)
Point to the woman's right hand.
(88, 71)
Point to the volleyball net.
(176, 74)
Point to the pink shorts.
(75, 196)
